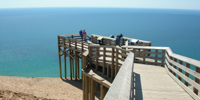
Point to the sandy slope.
(49, 88)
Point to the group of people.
(83, 34)
(118, 38)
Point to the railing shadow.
(136, 88)
(76, 83)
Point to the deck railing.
(110, 58)
(121, 88)
(185, 71)
(104, 40)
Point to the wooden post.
(76, 65)
(163, 56)
(102, 92)
(86, 87)
(180, 70)
(97, 57)
(70, 67)
(186, 74)
(104, 59)
(65, 63)
(83, 85)
(60, 65)
(92, 89)
(59, 57)
(90, 54)
(175, 66)
(116, 64)
(156, 56)
(197, 69)
(82, 46)
(78, 68)
(112, 66)
(83, 62)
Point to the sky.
(164, 4)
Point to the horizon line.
(103, 7)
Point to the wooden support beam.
(60, 65)
(112, 66)
(116, 64)
(86, 88)
(72, 64)
(65, 64)
(83, 85)
(187, 74)
(70, 67)
(104, 59)
(97, 58)
(102, 92)
(78, 68)
(156, 56)
(180, 70)
(92, 86)
(76, 65)
(196, 91)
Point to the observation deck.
(134, 71)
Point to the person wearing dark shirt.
(81, 34)
(118, 39)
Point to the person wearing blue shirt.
(81, 34)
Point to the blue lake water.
(28, 36)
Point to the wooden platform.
(153, 83)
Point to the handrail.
(107, 56)
(178, 67)
(121, 86)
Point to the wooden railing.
(110, 58)
(148, 55)
(121, 88)
(72, 46)
(104, 40)
(185, 71)
(137, 42)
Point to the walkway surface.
(153, 83)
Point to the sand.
(39, 88)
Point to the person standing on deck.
(85, 34)
(81, 34)
(118, 39)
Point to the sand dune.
(39, 88)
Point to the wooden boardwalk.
(153, 83)
(102, 60)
